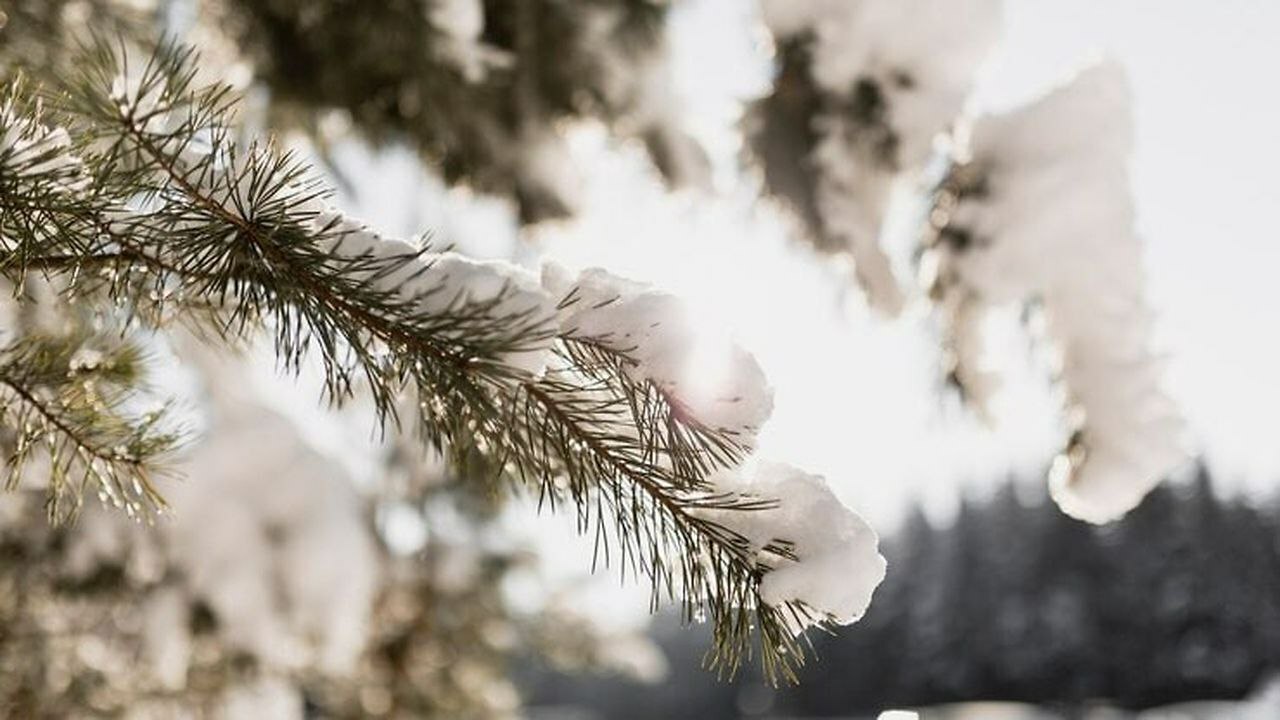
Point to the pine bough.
(128, 205)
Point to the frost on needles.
(139, 211)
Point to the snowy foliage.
(461, 19)
(435, 283)
(654, 330)
(884, 78)
(593, 392)
(272, 541)
(817, 552)
(482, 90)
(31, 150)
(461, 22)
(1040, 210)
(638, 77)
(288, 565)
(650, 327)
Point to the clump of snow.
(785, 19)
(271, 536)
(266, 533)
(637, 80)
(462, 20)
(548, 184)
(139, 92)
(655, 332)
(506, 290)
(104, 537)
(895, 74)
(447, 282)
(460, 24)
(914, 59)
(1053, 221)
(267, 697)
(836, 566)
(634, 656)
(654, 118)
(644, 86)
(31, 150)
(967, 361)
(167, 636)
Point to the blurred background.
(334, 574)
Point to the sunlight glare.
(708, 370)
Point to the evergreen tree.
(134, 202)
(478, 88)
(134, 205)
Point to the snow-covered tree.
(481, 88)
(1034, 208)
(1037, 208)
(134, 207)
(863, 89)
(143, 205)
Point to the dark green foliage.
(476, 112)
(782, 137)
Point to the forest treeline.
(1014, 601)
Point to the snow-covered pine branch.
(1038, 208)
(864, 87)
(576, 386)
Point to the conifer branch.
(63, 399)
(147, 202)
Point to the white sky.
(856, 398)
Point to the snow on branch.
(863, 89)
(1038, 208)
(653, 330)
(816, 553)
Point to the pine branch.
(63, 398)
(650, 512)
(153, 207)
